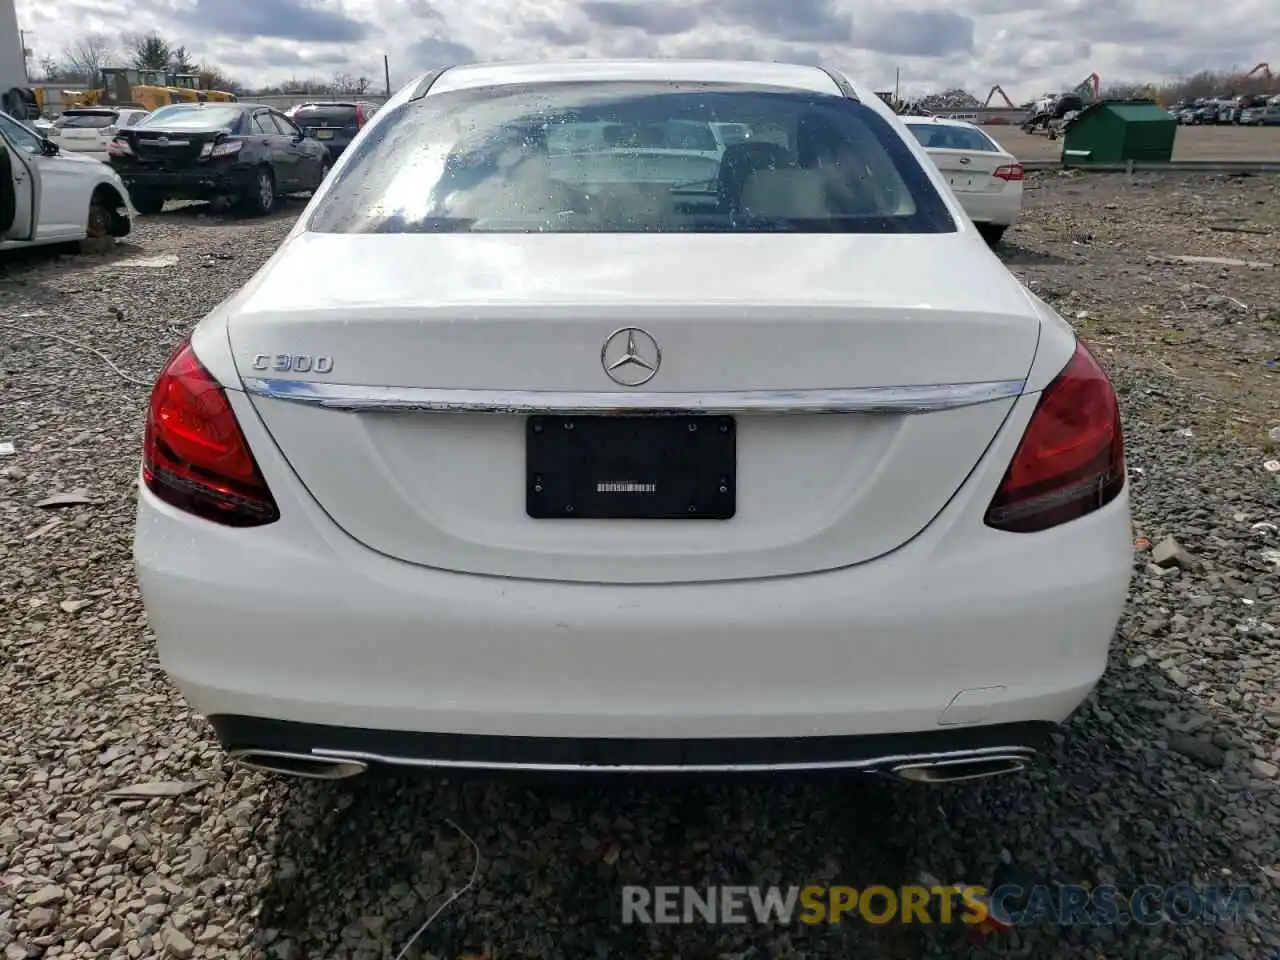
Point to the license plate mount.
(631, 467)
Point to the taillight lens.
(1071, 458)
(223, 148)
(119, 148)
(359, 116)
(195, 457)
(1012, 171)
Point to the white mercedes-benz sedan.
(623, 456)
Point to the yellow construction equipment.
(185, 87)
(126, 87)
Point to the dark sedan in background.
(333, 124)
(247, 152)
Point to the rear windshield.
(87, 120)
(946, 137)
(193, 117)
(339, 116)
(604, 157)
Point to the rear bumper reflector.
(902, 400)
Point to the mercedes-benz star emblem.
(630, 356)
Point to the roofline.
(842, 85)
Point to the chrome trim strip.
(869, 764)
(903, 400)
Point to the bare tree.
(1211, 83)
(311, 85)
(346, 83)
(84, 59)
(1124, 91)
(212, 78)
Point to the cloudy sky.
(1027, 46)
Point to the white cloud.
(1026, 46)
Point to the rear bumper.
(197, 183)
(519, 754)
(998, 209)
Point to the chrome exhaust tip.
(961, 768)
(303, 765)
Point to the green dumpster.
(1115, 131)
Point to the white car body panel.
(500, 312)
(61, 188)
(857, 591)
(22, 174)
(985, 199)
(963, 613)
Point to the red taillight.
(359, 115)
(1071, 458)
(225, 147)
(194, 456)
(119, 148)
(1012, 171)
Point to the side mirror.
(48, 147)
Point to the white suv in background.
(89, 130)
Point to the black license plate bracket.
(631, 467)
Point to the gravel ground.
(1167, 776)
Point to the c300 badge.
(292, 363)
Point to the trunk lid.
(533, 313)
(158, 147)
(970, 171)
